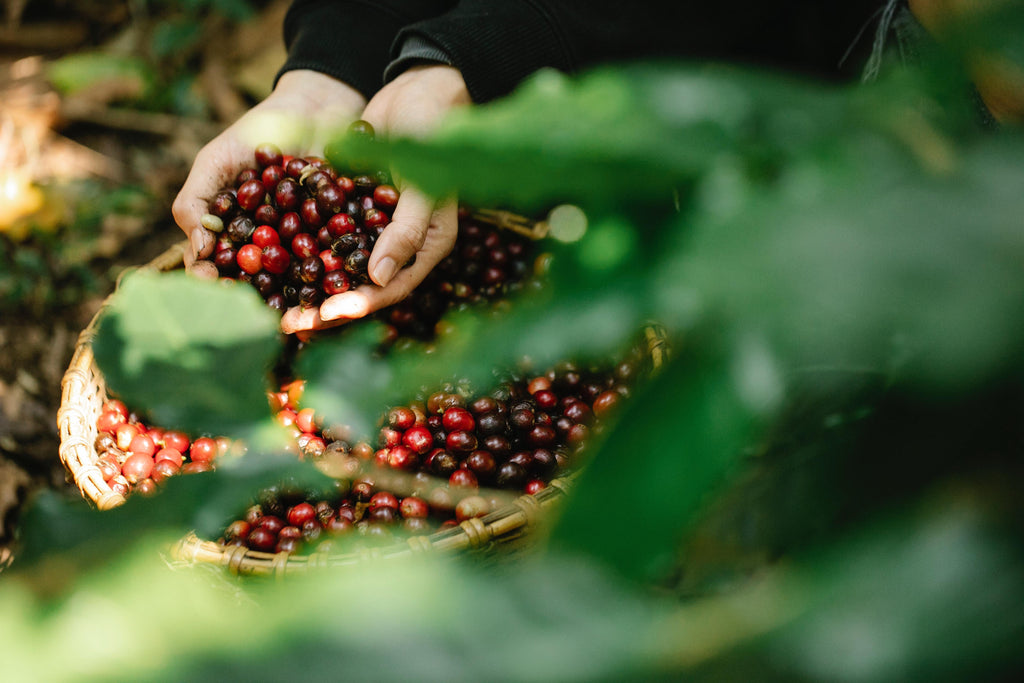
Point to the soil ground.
(106, 141)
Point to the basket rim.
(509, 523)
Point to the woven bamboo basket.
(506, 529)
(83, 392)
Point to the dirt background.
(77, 154)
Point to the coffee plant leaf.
(195, 355)
(677, 439)
(631, 137)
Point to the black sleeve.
(496, 44)
(350, 39)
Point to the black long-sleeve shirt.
(498, 43)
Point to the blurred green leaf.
(990, 29)
(935, 595)
(626, 138)
(875, 266)
(196, 355)
(175, 36)
(351, 384)
(75, 538)
(130, 77)
(236, 10)
(672, 445)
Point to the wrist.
(444, 82)
(318, 91)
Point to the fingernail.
(202, 242)
(384, 271)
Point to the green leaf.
(432, 620)
(627, 137)
(876, 265)
(75, 73)
(175, 36)
(196, 355)
(673, 444)
(351, 384)
(57, 529)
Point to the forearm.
(350, 40)
(496, 45)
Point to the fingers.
(403, 237)
(358, 303)
(298, 320)
(214, 168)
(442, 227)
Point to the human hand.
(304, 111)
(421, 226)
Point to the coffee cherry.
(204, 450)
(224, 204)
(138, 466)
(250, 194)
(304, 245)
(402, 458)
(605, 403)
(268, 154)
(329, 199)
(264, 236)
(461, 441)
(401, 418)
(142, 444)
(266, 214)
(275, 259)
(442, 463)
(261, 539)
(458, 418)
(250, 258)
(385, 196)
(271, 176)
(510, 475)
(534, 486)
(311, 270)
(361, 128)
(124, 433)
(162, 469)
(482, 463)
(240, 228)
(463, 479)
(293, 167)
(356, 263)
(419, 439)
(471, 506)
(300, 514)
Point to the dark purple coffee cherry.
(329, 199)
(311, 270)
(224, 204)
(240, 228)
(510, 475)
(356, 263)
(268, 154)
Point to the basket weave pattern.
(83, 393)
(506, 528)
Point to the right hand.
(421, 226)
(305, 110)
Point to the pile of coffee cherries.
(298, 230)
(445, 457)
(134, 456)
